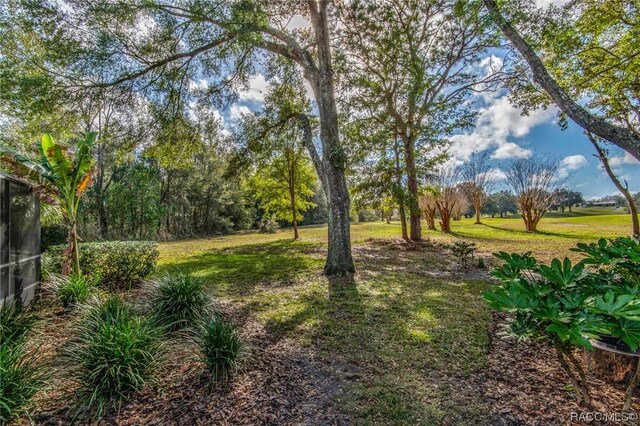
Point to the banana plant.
(62, 175)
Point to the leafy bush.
(22, 376)
(221, 348)
(567, 305)
(21, 373)
(117, 263)
(113, 354)
(269, 226)
(463, 251)
(178, 301)
(15, 322)
(73, 289)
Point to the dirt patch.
(524, 384)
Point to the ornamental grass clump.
(221, 348)
(112, 354)
(73, 289)
(22, 373)
(178, 301)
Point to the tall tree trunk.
(400, 198)
(624, 189)
(339, 260)
(294, 215)
(412, 186)
(478, 207)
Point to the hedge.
(116, 263)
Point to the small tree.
(477, 181)
(534, 181)
(566, 198)
(447, 195)
(429, 208)
(63, 175)
(284, 186)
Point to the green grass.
(406, 327)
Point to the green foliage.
(463, 251)
(15, 322)
(22, 376)
(117, 263)
(72, 290)
(62, 176)
(21, 372)
(221, 348)
(112, 354)
(565, 304)
(178, 301)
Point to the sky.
(505, 133)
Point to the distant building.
(601, 204)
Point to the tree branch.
(617, 135)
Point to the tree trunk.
(403, 221)
(478, 207)
(624, 189)
(294, 215)
(339, 260)
(71, 255)
(412, 186)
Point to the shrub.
(269, 226)
(117, 263)
(221, 348)
(567, 305)
(21, 377)
(178, 301)
(73, 289)
(113, 354)
(463, 251)
(15, 322)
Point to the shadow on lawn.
(238, 270)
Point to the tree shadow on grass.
(238, 270)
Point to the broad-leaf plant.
(569, 305)
(62, 174)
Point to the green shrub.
(117, 263)
(463, 251)
(15, 322)
(178, 301)
(221, 348)
(21, 377)
(73, 289)
(566, 305)
(113, 353)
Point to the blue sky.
(505, 133)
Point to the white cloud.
(258, 86)
(496, 123)
(624, 159)
(298, 21)
(237, 111)
(570, 164)
(199, 85)
(496, 174)
(574, 162)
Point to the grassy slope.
(406, 334)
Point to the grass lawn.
(404, 337)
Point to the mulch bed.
(524, 384)
(285, 383)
